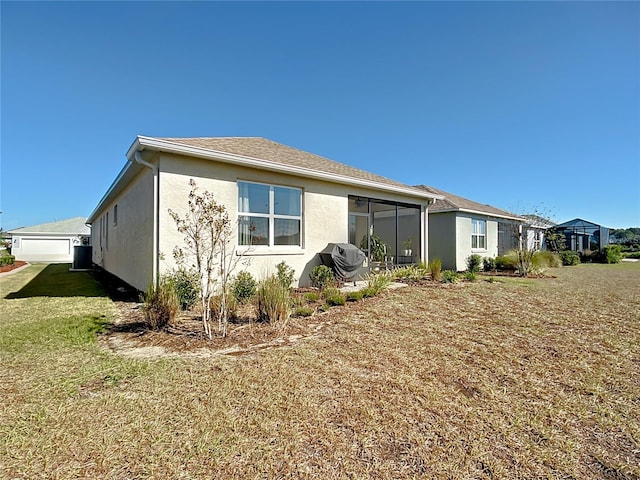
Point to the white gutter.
(156, 144)
(156, 192)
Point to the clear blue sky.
(515, 104)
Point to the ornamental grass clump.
(334, 297)
(273, 302)
(160, 306)
(435, 267)
(376, 283)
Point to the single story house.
(459, 227)
(289, 204)
(49, 242)
(582, 236)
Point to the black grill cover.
(343, 258)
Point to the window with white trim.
(269, 215)
(478, 234)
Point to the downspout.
(156, 201)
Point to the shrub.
(506, 262)
(544, 259)
(569, 258)
(334, 297)
(471, 276)
(435, 267)
(161, 305)
(272, 302)
(285, 274)
(304, 311)
(321, 276)
(215, 304)
(632, 255)
(609, 254)
(187, 287)
(244, 286)
(450, 276)
(488, 264)
(7, 260)
(311, 296)
(474, 263)
(355, 296)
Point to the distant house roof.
(452, 203)
(538, 221)
(264, 154)
(71, 226)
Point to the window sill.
(264, 251)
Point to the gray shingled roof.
(264, 149)
(71, 226)
(455, 202)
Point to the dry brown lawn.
(509, 379)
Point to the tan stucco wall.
(325, 210)
(463, 239)
(128, 252)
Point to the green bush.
(321, 276)
(311, 296)
(355, 296)
(7, 260)
(244, 286)
(160, 306)
(544, 259)
(506, 262)
(632, 255)
(471, 276)
(435, 267)
(187, 287)
(450, 276)
(273, 302)
(609, 254)
(569, 257)
(285, 274)
(488, 264)
(474, 262)
(334, 297)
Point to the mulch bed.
(8, 268)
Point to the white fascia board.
(156, 144)
(112, 188)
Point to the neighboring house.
(49, 242)
(583, 236)
(289, 204)
(534, 230)
(459, 227)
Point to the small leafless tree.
(525, 248)
(208, 248)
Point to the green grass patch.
(55, 280)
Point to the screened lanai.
(389, 233)
(581, 235)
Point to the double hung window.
(269, 215)
(478, 234)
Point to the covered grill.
(344, 259)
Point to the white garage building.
(50, 242)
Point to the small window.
(269, 215)
(478, 234)
(115, 215)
